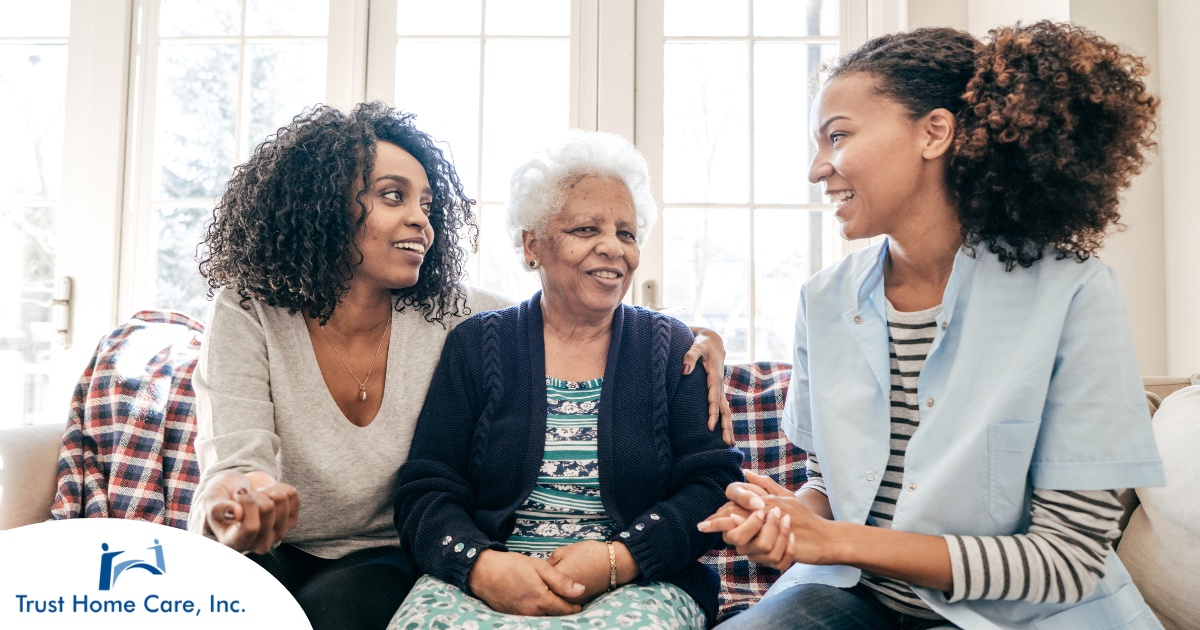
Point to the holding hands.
(767, 523)
(250, 512)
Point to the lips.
(417, 245)
(839, 198)
(607, 274)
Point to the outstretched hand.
(249, 512)
(516, 584)
(709, 349)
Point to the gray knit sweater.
(263, 405)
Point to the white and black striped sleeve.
(1060, 559)
(815, 481)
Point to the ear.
(532, 246)
(937, 133)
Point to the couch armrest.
(28, 473)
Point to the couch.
(29, 463)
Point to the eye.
(627, 236)
(835, 136)
(427, 207)
(393, 195)
(584, 231)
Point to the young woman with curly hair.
(967, 390)
(336, 253)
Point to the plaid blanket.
(756, 393)
(127, 451)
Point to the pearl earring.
(533, 264)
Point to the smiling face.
(879, 166)
(589, 251)
(396, 234)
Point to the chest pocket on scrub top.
(1010, 450)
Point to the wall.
(1179, 136)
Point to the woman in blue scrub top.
(967, 389)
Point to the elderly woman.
(561, 462)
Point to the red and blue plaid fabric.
(756, 393)
(127, 452)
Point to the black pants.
(360, 591)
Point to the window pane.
(196, 117)
(180, 286)
(199, 17)
(27, 246)
(450, 115)
(33, 81)
(517, 123)
(444, 17)
(706, 123)
(287, 17)
(705, 17)
(706, 271)
(795, 17)
(787, 250)
(501, 266)
(782, 142)
(284, 79)
(528, 17)
(43, 18)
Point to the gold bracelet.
(612, 566)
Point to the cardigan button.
(639, 527)
(870, 476)
(653, 517)
(458, 548)
(471, 552)
(858, 319)
(446, 541)
(624, 534)
(912, 487)
(928, 402)
(945, 325)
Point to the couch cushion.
(28, 461)
(1159, 546)
(756, 393)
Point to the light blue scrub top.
(1031, 381)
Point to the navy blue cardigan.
(479, 442)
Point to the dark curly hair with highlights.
(1053, 122)
(283, 232)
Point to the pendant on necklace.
(362, 393)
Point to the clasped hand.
(572, 576)
(250, 512)
(768, 524)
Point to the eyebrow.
(403, 181)
(830, 121)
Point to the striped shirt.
(1060, 558)
(565, 506)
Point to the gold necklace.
(362, 385)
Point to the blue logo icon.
(109, 573)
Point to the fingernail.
(775, 511)
(577, 587)
(228, 515)
(687, 369)
(702, 526)
(756, 503)
(738, 517)
(241, 491)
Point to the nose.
(609, 245)
(417, 218)
(820, 168)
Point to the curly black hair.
(1053, 121)
(283, 232)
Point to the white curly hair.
(538, 188)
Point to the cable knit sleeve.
(435, 496)
(664, 538)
